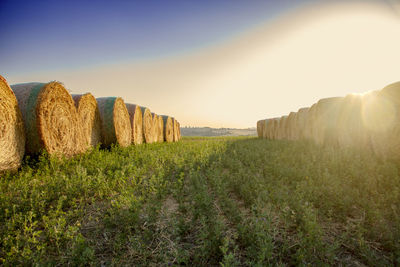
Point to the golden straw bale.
(136, 118)
(168, 128)
(175, 130)
(282, 128)
(326, 120)
(115, 121)
(155, 129)
(147, 125)
(351, 130)
(301, 119)
(50, 117)
(260, 128)
(12, 132)
(272, 128)
(291, 126)
(264, 128)
(160, 137)
(89, 115)
(381, 117)
(309, 128)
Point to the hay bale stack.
(12, 132)
(160, 137)
(168, 128)
(326, 119)
(264, 128)
(115, 121)
(351, 130)
(301, 119)
(136, 118)
(50, 118)
(291, 126)
(147, 125)
(381, 117)
(309, 128)
(89, 115)
(260, 129)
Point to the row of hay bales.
(37, 117)
(369, 121)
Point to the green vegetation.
(203, 201)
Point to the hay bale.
(381, 118)
(259, 129)
(281, 134)
(89, 115)
(264, 128)
(274, 128)
(291, 126)
(326, 119)
(351, 131)
(160, 137)
(175, 126)
(115, 121)
(12, 132)
(270, 129)
(168, 128)
(179, 131)
(301, 119)
(51, 120)
(136, 118)
(154, 128)
(309, 129)
(147, 125)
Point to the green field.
(203, 201)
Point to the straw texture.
(115, 121)
(175, 126)
(160, 137)
(89, 115)
(12, 132)
(147, 125)
(50, 118)
(168, 128)
(326, 120)
(136, 118)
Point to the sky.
(208, 63)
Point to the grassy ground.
(203, 201)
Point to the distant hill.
(207, 131)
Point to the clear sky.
(208, 63)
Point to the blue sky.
(208, 63)
(68, 34)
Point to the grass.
(203, 201)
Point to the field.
(203, 201)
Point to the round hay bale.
(175, 130)
(51, 120)
(115, 121)
(381, 117)
(326, 120)
(147, 125)
(160, 137)
(155, 129)
(282, 128)
(291, 126)
(168, 128)
(12, 132)
(89, 115)
(264, 128)
(309, 128)
(271, 129)
(301, 119)
(274, 129)
(260, 128)
(351, 130)
(136, 118)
